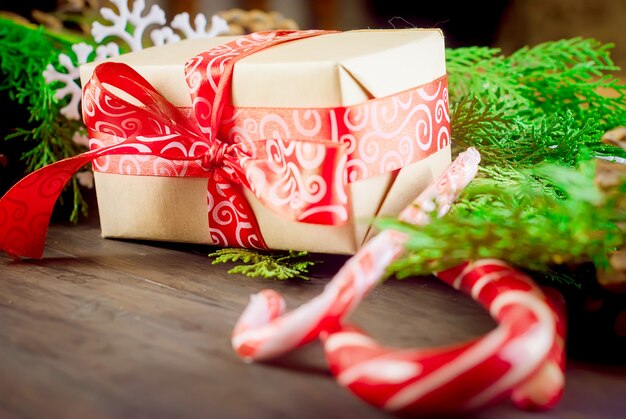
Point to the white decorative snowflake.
(182, 22)
(69, 79)
(164, 35)
(129, 26)
(80, 139)
(127, 19)
(85, 178)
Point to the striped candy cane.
(265, 331)
(522, 358)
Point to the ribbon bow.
(146, 124)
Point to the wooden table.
(113, 329)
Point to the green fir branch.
(25, 52)
(550, 78)
(475, 124)
(519, 224)
(280, 266)
(536, 117)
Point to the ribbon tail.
(26, 208)
(231, 219)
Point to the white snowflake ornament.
(165, 35)
(80, 139)
(128, 24)
(85, 178)
(126, 17)
(69, 78)
(182, 23)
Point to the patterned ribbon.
(297, 162)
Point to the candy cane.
(265, 331)
(475, 374)
(545, 388)
(521, 358)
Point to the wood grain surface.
(112, 329)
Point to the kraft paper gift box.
(331, 70)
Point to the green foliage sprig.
(552, 77)
(536, 117)
(281, 266)
(24, 54)
(520, 224)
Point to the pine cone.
(242, 22)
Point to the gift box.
(357, 121)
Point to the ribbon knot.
(215, 155)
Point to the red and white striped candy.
(441, 194)
(545, 388)
(522, 357)
(264, 331)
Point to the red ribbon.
(202, 141)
